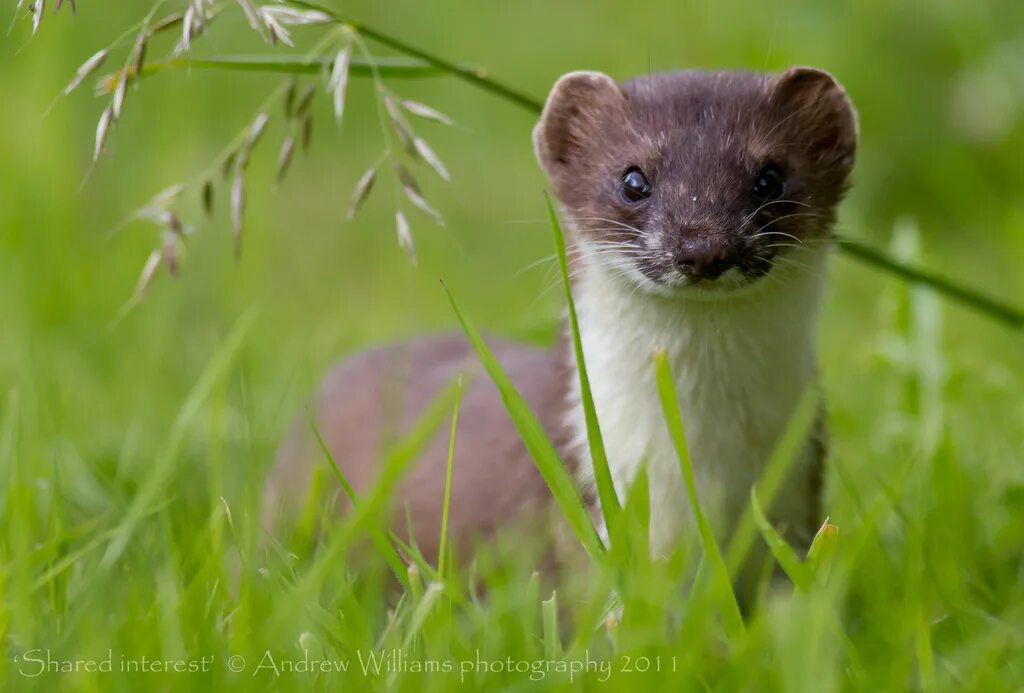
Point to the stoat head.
(697, 178)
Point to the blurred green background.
(89, 400)
(939, 87)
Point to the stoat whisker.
(762, 234)
(534, 264)
(784, 216)
(747, 219)
(619, 224)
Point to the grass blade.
(540, 447)
(549, 618)
(796, 569)
(385, 547)
(446, 505)
(610, 507)
(163, 466)
(822, 553)
(719, 573)
(368, 511)
(630, 545)
(781, 460)
(419, 616)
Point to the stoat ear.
(812, 105)
(578, 106)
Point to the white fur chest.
(740, 364)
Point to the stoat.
(698, 207)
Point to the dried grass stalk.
(339, 80)
(169, 254)
(102, 128)
(412, 192)
(156, 209)
(237, 210)
(405, 235)
(405, 178)
(148, 272)
(305, 101)
(289, 98)
(117, 103)
(307, 132)
(294, 16)
(168, 22)
(256, 131)
(424, 111)
(140, 54)
(431, 158)
(401, 126)
(421, 203)
(284, 158)
(86, 69)
(208, 197)
(173, 224)
(277, 17)
(259, 125)
(38, 7)
(191, 26)
(251, 15)
(362, 190)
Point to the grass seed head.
(431, 158)
(339, 80)
(140, 55)
(405, 241)
(307, 132)
(169, 254)
(148, 273)
(276, 19)
(173, 224)
(289, 98)
(189, 28)
(405, 177)
(37, 9)
(237, 210)
(102, 128)
(412, 192)
(424, 111)
(168, 22)
(208, 197)
(284, 158)
(87, 68)
(305, 101)
(256, 131)
(117, 103)
(401, 127)
(362, 190)
(251, 15)
(228, 165)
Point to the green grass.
(133, 453)
(922, 587)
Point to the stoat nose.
(703, 258)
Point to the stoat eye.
(635, 187)
(770, 183)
